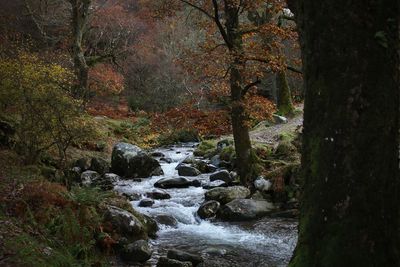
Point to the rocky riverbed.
(222, 241)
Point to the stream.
(265, 242)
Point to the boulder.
(111, 177)
(174, 182)
(158, 194)
(143, 166)
(226, 194)
(125, 223)
(184, 256)
(146, 202)
(245, 209)
(99, 165)
(132, 196)
(129, 161)
(279, 119)
(222, 175)
(186, 170)
(89, 178)
(165, 262)
(138, 251)
(208, 209)
(215, 184)
(166, 219)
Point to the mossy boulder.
(226, 194)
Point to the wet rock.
(111, 177)
(158, 194)
(223, 175)
(245, 209)
(157, 154)
(143, 166)
(226, 194)
(138, 251)
(166, 160)
(99, 165)
(215, 184)
(89, 178)
(208, 209)
(165, 262)
(124, 222)
(120, 157)
(174, 182)
(216, 160)
(166, 219)
(196, 183)
(293, 213)
(184, 256)
(257, 196)
(186, 170)
(146, 202)
(137, 180)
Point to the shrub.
(46, 116)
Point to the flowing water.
(265, 242)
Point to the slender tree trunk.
(239, 116)
(285, 105)
(350, 204)
(80, 16)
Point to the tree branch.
(249, 86)
(219, 25)
(198, 8)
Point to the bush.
(38, 95)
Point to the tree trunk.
(239, 115)
(80, 16)
(285, 105)
(350, 203)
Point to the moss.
(228, 154)
(206, 148)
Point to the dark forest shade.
(350, 205)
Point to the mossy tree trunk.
(285, 104)
(350, 203)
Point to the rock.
(211, 168)
(158, 194)
(279, 119)
(132, 196)
(143, 166)
(150, 224)
(245, 209)
(82, 163)
(257, 196)
(196, 183)
(99, 165)
(129, 161)
(208, 209)
(89, 178)
(174, 182)
(138, 251)
(165, 262)
(215, 184)
(157, 154)
(74, 174)
(166, 160)
(225, 164)
(226, 194)
(262, 184)
(120, 157)
(186, 170)
(124, 222)
(184, 256)
(223, 175)
(166, 219)
(216, 160)
(146, 202)
(111, 177)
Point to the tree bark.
(350, 203)
(79, 22)
(285, 104)
(238, 113)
